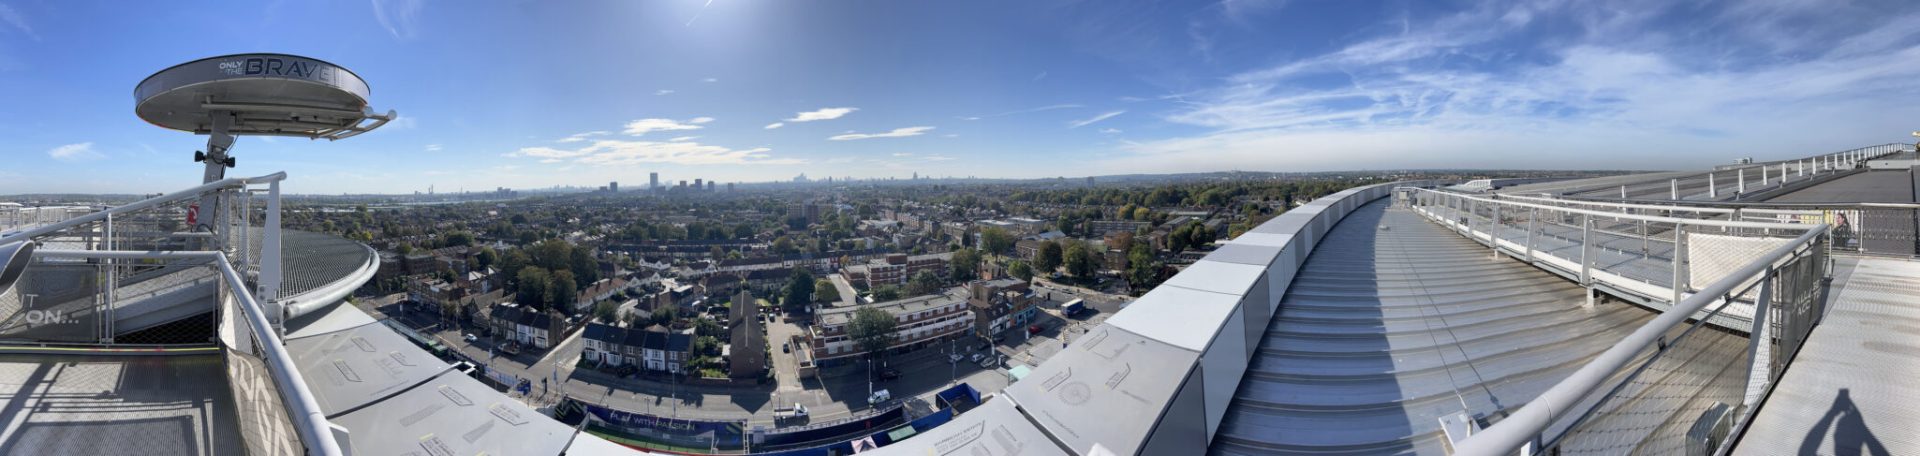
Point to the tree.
(800, 287)
(459, 238)
(1177, 241)
(1141, 267)
(965, 264)
(563, 290)
(996, 240)
(871, 330)
(1141, 213)
(488, 257)
(707, 328)
(924, 282)
(1049, 258)
(784, 246)
(1080, 261)
(533, 282)
(824, 291)
(885, 293)
(1020, 270)
(604, 311)
(664, 316)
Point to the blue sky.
(535, 94)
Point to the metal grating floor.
(1394, 322)
(113, 405)
(1854, 386)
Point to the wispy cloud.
(710, 80)
(1038, 77)
(1094, 119)
(433, 148)
(13, 18)
(683, 138)
(578, 137)
(1604, 85)
(822, 114)
(1110, 131)
(644, 126)
(399, 17)
(75, 152)
(895, 133)
(775, 125)
(663, 92)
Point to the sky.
(536, 94)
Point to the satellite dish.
(259, 94)
(255, 94)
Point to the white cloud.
(710, 80)
(1110, 131)
(75, 152)
(775, 125)
(902, 154)
(1094, 119)
(663, 92)
(578, 137)
(644, 126)
(822, 114)
(433, 148)
(895, 133)
(613, 152)
(938, 158)
(683, 138)
(399, 17)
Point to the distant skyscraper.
(696, 184)
(683, 183)
(613, 187)
(653, 181)
(1089, 181)
(916, 175)
(709, 186)
(729, 187)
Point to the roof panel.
(1110, 388)
(1184, 317)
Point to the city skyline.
(762, 91)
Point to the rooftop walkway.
(1854, 386)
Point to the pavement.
(848, 296)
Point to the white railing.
(302, 407)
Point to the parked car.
(889, 374)
(470, 338)
(1034, 329)
(786, 347)
(953, 358)
(990, 362)
(977, 357)
(879, 397)
(788, 413)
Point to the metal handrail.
(98, 216)
(1623, 216)
(302, 406)
(1526, 424)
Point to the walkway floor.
(1854, 385)
(1394, 322)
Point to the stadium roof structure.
(1749, 309)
